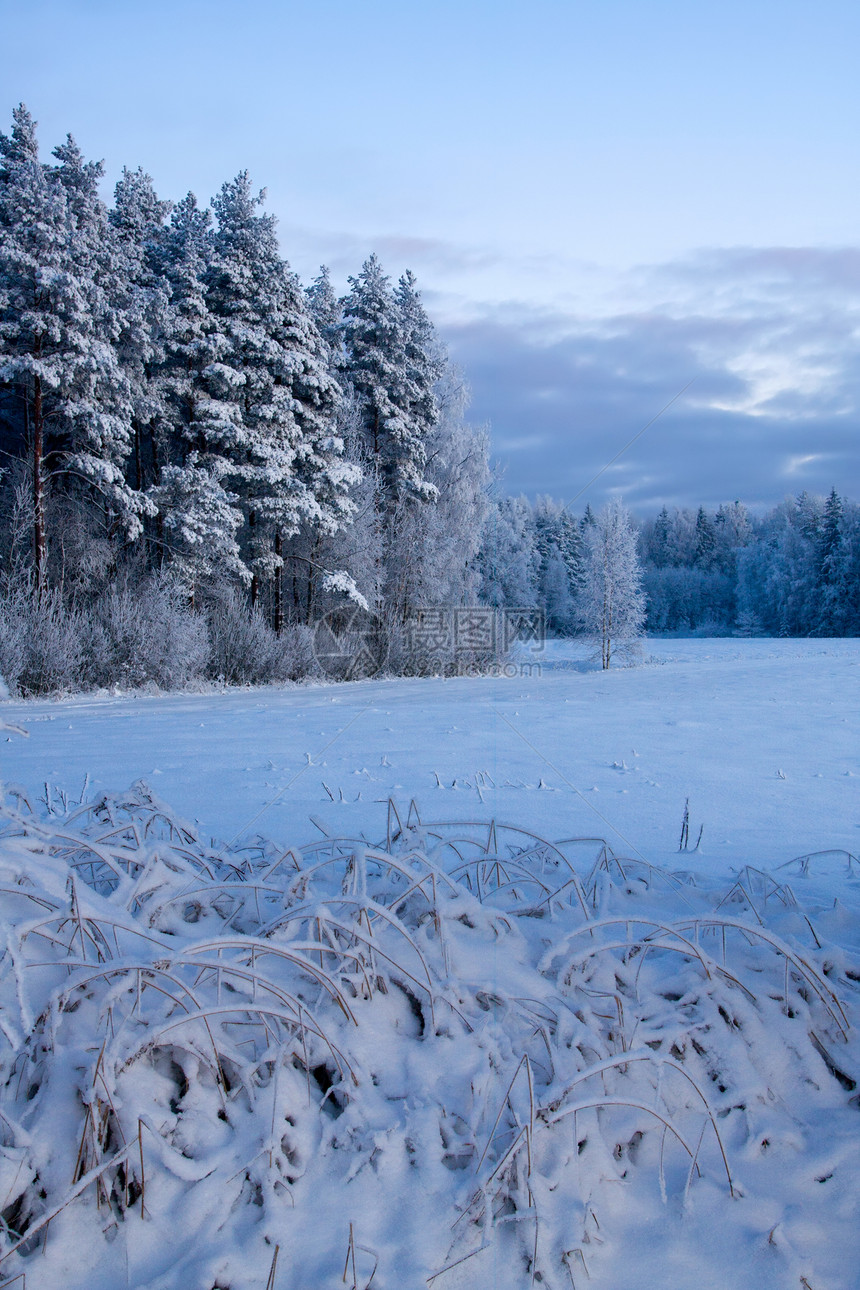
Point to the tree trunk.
(255, 582)
(40, 545)
(138, 460)
(312, 580)
(159, 551)
(278, 610)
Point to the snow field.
(436, 1053)
(462, 1057)
(567, 751)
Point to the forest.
(201, 459)
(791, 571)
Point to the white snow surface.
(610, 753)
(440, 1051)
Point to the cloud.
(344, 253)
(778, 269)
(769, 339)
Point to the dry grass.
(201, 989)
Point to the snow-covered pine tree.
(274, 401)
(380, 371)
(200, 519)
(57, 334)
(809, 514)
(776, 574)
(99, 406)
(198, 516)
(660, 542)
(830, 570)
(509, 558)
(424, 364)
(325, 310)
(33, 239)
(141, 298)
(612, 606)
(706, 540)
(182, 257)
(559, 544)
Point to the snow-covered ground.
(760, 735)
(463, 1058)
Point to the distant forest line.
(794, 571)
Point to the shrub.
(146, 635)
(245, 650)
(41, 642)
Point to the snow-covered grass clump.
(463, 1057)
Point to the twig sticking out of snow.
(684, 844)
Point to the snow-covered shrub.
(295, 658)
(463, 1052)
(145, 635)
(14, 616)
(41, 642)
(245, 650)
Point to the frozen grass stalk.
(464, 1022)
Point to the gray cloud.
(834, 269)
(769, 339)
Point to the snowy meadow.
(537, 980)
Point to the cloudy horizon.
(607, 208)
(755, 352)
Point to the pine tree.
(141, 297)
(809, 515)
(830, 569)
(200, 520)
(182, 258)
(830, 540)
(33, 238)
(326, 312)
(509, 558)
(99, 403)
(706, 541)
(58, 331)
(662, 527)
(424, 364)
(386, 374)
(274, 404)
(558, 542)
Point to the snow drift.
(463, 1057)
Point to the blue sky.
(602, 201)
